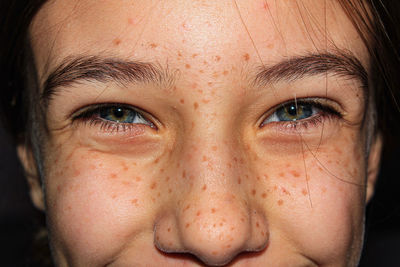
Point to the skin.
(207, 185)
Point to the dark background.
(18, 218)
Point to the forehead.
(165, 30)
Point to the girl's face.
(187, 133)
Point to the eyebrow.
(93, 68)
(342, 64)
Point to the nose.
(214, 217)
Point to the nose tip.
(218, 231)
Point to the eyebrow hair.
(343, 64)
(93, 68)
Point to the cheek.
(97, 201)
(316, 197)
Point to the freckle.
(131, 21)
(195, 105)
(116, 41)
(323, 189)
(194, 55)
(257, 225)
(167, 178)
(113, 175)
(239, 181)
(229, 165)
(275, 188)
(184, 174)
(220, 224)
(114, 196)
(304, 192)
(126, 183)
(264, 195)
(178, 165)
(295, 173)
(169, 190)
(186, 208)
(271, 45)
(153, 185)
(101, 165)
(179, 54)
(253, 192)
(187, 66)
(217, 58)
(212, 210)
(134, 201)
(225, 73)
(182, 101)
(280, 202)
(204, 158)
(242, 219)
(153, 45)
(138, 179)
(214, 225)
(58, 189)
(169, 230)
(158, 194)
(214, 253)
(285, 191)
(198, 213)
(246, 57)
(320, 169)
(281, 174)
(235, 159)
(204, 188)
(77, 173)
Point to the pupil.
(292, 110)
(118, 112)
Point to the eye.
(293, 112)
(301, 112)
(121, 115)
(113, 117)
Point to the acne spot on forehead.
(280, 202)
(182, 101)
(281, 174)
(253, 192)
(264, 195)
(304, 192)
(113, 175)
(239, 181)
(246, 57)
(204, 188)
(213, 210)
(295, 173)
(134, 201)
(187, 66)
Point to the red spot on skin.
(323, 189)
(187, 66)
(184, 174)
(281, 174)
(153, 45)
(77, 173)
(295, 173)
(253, 192)
(117, 41)
(195, 105)
(214, 148)
(304, 192)
(201, 71)
(169, 190)
(169, 230)
(138, 179)
(239, 181)
(178, 165)
(220, 224)
(194, 55)
(114, 196)
(338, 150)
(204, 158)
(198, 213)
(213, 210)
(113, 175)
(167, 178)
(126, 183)
(209, 84)
(285, 191)
(265, 5)
(246, 57)
(225, 72)
(280, 202)
(161, 170)
(134, 201)
(182, 101)
(204, 188)
(186, 208)
(229, 165)
(264, 195)
(257, 225)
(217, 58)
(153, 186)
(58, 188)
(124, 167)
(131, 21)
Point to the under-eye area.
(301, 114)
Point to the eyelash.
(326, 111)
(91, 117)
